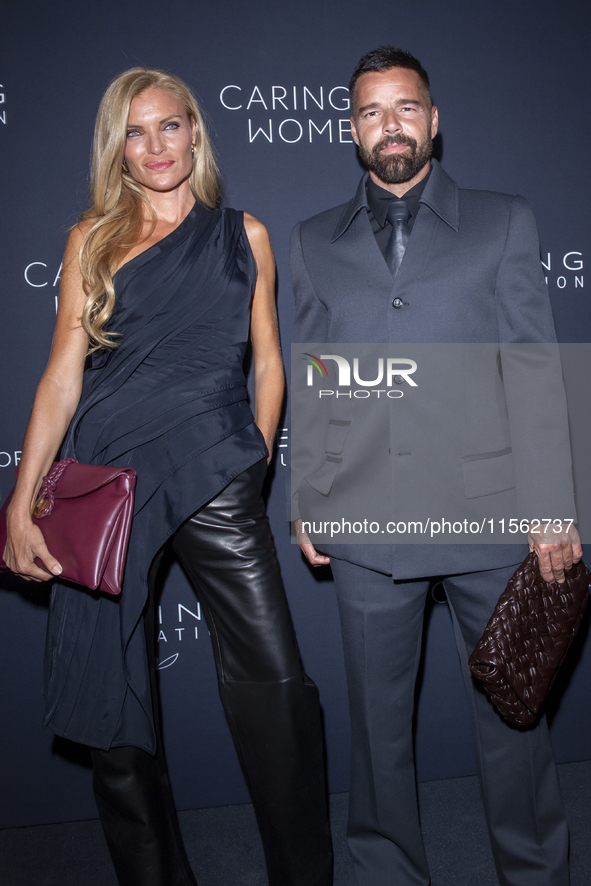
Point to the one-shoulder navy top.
(170, 402)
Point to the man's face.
(393, 125)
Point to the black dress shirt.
(378, 199)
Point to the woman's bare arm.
(56, 399)
(269, 381)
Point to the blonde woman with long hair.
(164, 289)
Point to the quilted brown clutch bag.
(527, 638)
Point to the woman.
(163, 285)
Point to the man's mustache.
(394, 140)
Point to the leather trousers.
(272, 709)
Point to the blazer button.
(398, 379)
(397, 302)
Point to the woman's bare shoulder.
(76, 238)
(74, 244)
(255, 230)
(258, 237)
(80, 230)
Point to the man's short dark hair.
(384, 58)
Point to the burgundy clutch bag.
(84, 513)
(527, 638)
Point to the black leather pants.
(272, 708)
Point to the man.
(455, 266)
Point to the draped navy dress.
(170, 402)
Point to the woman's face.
(159, 138)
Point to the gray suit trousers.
(382, 625)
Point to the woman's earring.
(193, 146)
(124, 166)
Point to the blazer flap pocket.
(336, 435)
(322, 479)
(488, 474)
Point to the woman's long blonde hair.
(117, 203)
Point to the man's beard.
(396, 168)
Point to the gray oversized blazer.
(471, 274)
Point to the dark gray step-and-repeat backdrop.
(511, 80)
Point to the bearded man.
(414, 258)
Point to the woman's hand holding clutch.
(24, 543)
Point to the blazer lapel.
(370, 261)
(353, 234)
(439, 204)
(354, 238)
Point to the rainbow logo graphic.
(317, 362)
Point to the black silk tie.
(398, 215)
